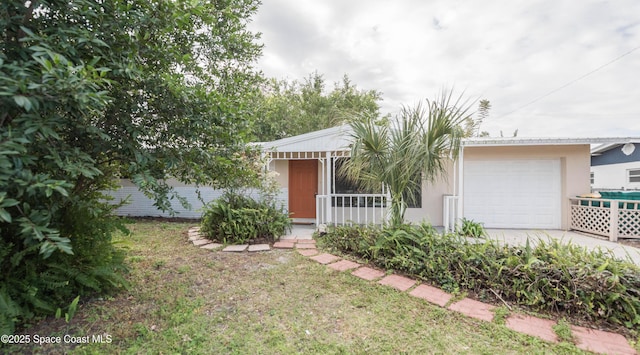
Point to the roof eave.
(495, 142)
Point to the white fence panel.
(141, 206)
(610, 218)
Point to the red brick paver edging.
(600, 341)
(368, 273)
(534, 326)
(431, 294)
(307, 252)
(325, 258)
(344, 265)
(474, 309)
(398, 282)
(586, 339)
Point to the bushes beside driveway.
(550, 276)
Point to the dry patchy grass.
(188, 300)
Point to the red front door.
(303, 187)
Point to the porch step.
(304, 221)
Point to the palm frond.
(415, 147)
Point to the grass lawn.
(188, 300)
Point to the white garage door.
(513, 193)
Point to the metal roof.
(523, 141)
(338, 138)
(329, 139)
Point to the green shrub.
(551, 276)
(356, 240)
(472, 229)
(32, 285)
(238, 219)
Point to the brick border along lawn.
(586, 339)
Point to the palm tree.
(413, 147)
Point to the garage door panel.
(513, 193)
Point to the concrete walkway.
(519, 237)
(300, 231)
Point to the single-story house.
(522, 183)
(616, 166)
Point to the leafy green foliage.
(355, 240)
(472, 229)
(551, 276)
(238, 219)
(72, 309)
(92, 91)
(32, 285)
(293, 108)
(418, 143)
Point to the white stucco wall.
(433, 198)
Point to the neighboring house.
(616, 166)
(501, 182)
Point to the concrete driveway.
(519, 237)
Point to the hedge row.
(550, 276)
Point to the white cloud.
(509, 52)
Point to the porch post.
(266, 157)
(319, 208)
(329, 199)
(460, 202)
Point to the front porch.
(330, 202)
(347, 209)
(314, 191)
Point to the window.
(592, 178)
(416, 201)
(345, 186)
(634, 175)
(342, 185)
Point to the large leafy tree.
(94, 90)
(289, 108)
(414, 146)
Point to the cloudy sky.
(549, 67)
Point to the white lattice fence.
(589, 219)
(629, 223)
(609, 218)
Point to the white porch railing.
(449, 212)
(349, 209)
(610, 218)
